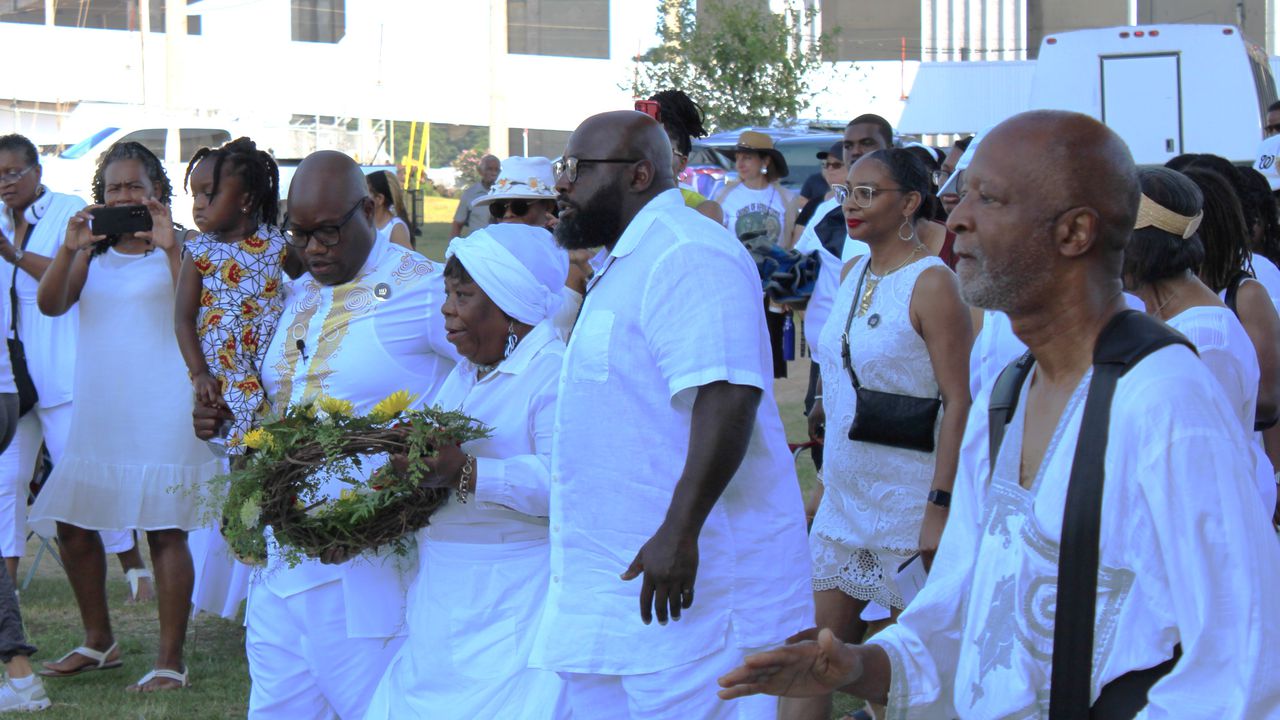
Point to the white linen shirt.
(677, 306)
(1187, 557)
(360, 341)
(49, 342)
(513, 465)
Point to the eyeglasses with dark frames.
(569, 166)
(498, 208)
(326, 235)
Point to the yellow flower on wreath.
(334, 406)
(392, 405)
(258, 439)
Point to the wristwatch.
(941, 498)
(17, 255)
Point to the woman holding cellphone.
(132, 462)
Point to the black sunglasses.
(498, 208)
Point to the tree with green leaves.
(744, 64)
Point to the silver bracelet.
(464, 484)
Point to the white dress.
(484, 566)
(132, 458)
(1225, 348)
(384, 232)
(869, 520)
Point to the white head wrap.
(519, 267)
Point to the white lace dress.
(869, 521)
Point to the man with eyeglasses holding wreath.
(362, 322)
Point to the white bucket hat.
(1268, 157)
(521, 178)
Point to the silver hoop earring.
(911, 235)
(512, 340)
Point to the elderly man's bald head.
(623, 160)
(1076, 161)
(1050, 200)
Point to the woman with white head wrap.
(484, 559)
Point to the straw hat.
(521, 178)
(763, 144)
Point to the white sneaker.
(31, 699)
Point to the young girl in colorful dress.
(229, 285)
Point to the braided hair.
(1222, 231)
(255, 168)
(681, 118)
(151, 165)
(1257, 193)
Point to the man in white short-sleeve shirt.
(671, 480)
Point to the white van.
(1166, 89)
(71, 171)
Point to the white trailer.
(1166, 89)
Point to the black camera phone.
(120, 220)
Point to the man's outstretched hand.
(799, 669)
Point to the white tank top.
(384, 232)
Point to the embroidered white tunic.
(676, 306)
(360, 341)
(1187, 558)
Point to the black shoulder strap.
(13, 285)
(1233, 288)
(1004, 400)
(1128, 338)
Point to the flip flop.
(179, 677)
(99, 657)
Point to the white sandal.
(135, 576)
(179, 677)
(98, 656)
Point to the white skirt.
(100, 496)
(473, 613)
(221, 581)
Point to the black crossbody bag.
(885, 418)
(27, 395)
(1129, 337)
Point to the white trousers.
(48, 426)
(302, 664)
(679, 693)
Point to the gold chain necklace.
(873, 280)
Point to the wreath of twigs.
(293, 459)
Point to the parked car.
(174, 142)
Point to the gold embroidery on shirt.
(287, 366)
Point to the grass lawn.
(215, 647)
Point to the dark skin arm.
(1261, 323)
(208, 390)
(943, 321)
(31, 263)
(812, 664)
(64, 278)
(719, 433)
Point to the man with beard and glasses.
(668, 449)
(1188, 569)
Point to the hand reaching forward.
(798, 669)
